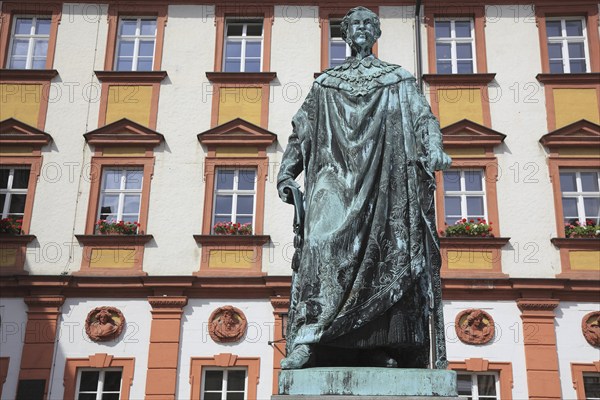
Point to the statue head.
(360, 28)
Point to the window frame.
(578, 370)
(243, 39)
(98, 361)
(9, 191)
(100, 382)
(136, 39)
(453, 41)
(579, 194)
(10, 10)
(121, 192)
(336, 40)
(31, 39)
(226, 371)
(463, 193)
(502, 369)
(564, 41)
(475, 385)
(224, 360)
(235, 192)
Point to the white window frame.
(565, 40)
(463, 193)
(579, 194)
(224, 384)
(453, 40)
(336, 40)
(9, 191)
(475, 388)
(235, 192)
(136, 39)
(100, 386)
(243, 39)
(32, 36)
(582, 382)
(121, 191)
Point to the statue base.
(343, 383)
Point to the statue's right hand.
(284, 189)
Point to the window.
(580, 195)
(235, 191)
(464, 195)
(224, 384)
(13, 191)
(99, 384)
(567, 51)
(455, 46)
(243, 46)
(135, 44)
(338, 48)
(121, 194)
(591, 385)
(29, 42)
(477, 386)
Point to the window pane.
(40, 48)
(589, 181)
(337, 50)
(2, 198)
(4, 173)
(569, 207)
(335, 29)
(128, 27)
(144, 64)
(89, 381)
(462, 28)
(132, 204)
(213, 380)
(223, 218)
(235, 380)
(464, 50)
(109, 205)
(212, 396)
(474, 205)
(473, 180)
(124, 64)
(112, 381)
(252, 66)
(253, 49)
(556, 67)
(233, 49)
(133, 179)
(568, 182)
(577, 66)
(17, 204)
(87, 396)
(38, 64)
(223, 204)
(590, 204)
(18, 63)
(23, 26)
(110, 396)
(233, 66)
(246, 180)
(42, 26)
(443, 51)
(574, 28)
(21, 179)
(148, 27)
(591, 385)
(112, 179)
(225, 179)
(452, 206)
(451, 180)
(444, 67)
(244, 220)
(464, 67)
(146, 48)
(254, 30)
(235, 396)
(486, 385)
(576, 50)
(554, 50)
(126, 48)
(553, 28)
(464, 384)
(245, 205)
(442, 29)
(234, 30)
(20, 47)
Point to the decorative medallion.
(227, 324)
(590, 327)
(474, 326)
(104, 323)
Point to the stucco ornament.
(227, 324)
(474, 326)
(104, 323)
(366, 268)
(590, 326)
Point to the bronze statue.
(366, 272)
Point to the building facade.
(172, 116)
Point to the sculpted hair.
(346, 22)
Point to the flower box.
(232, 228)
(104, 227)
(469, 228)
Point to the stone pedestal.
(342, 383)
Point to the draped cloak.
(370, 246)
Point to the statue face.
(361, 30)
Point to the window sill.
(99, 240)
(9, 238)
(131, 76)
(577, 243)
(459, 79)
(241, 77)
(233, 240)
(479, 242)
(581, 78)
(42, 75)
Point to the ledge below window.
(13, 249)
(131, 76)
(583, 78)
(459, 79)
(472, 257)
(98, 240)
(579, 257)
(241, 77)
(42, 75)
(219, 240)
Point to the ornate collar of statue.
(360, 76)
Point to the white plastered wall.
(507, 345)
(196, 342)
(74, 343)
(12, 334)
(397, 42)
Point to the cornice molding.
(112, 240)
(131, 76)
(458, 79)
(241, 77)
(585, 78)
(17, 75)
(232, 240)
